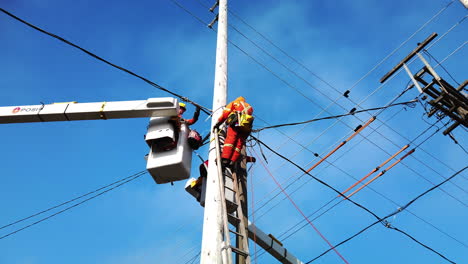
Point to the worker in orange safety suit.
(239, 119)
(182, 109)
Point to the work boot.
(224, 163)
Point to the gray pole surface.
(212, 222)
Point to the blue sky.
(47, 163)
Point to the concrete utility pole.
(212, 222)
(465, 3)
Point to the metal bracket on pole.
(410, 74)
(407, 58)
(214, 6)
(432, 71)
(210, 25)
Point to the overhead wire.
(115, 186)
(457, 143)
(259, 63)
(335, 116)
(443, 9)
(301, 212)
(365, 75)
(295, 88)
(69, 201)
(379, 220)
(183, 98)
(388, 225)
(333, 199)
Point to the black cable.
(69, 201)
(133, 177)
(457, 143)
(343, 200)
(315, 178)
(192, 260)
(295, 88)
(335, 116)
(379, 220)
(430, 55)
(387, 224)
(204, 109)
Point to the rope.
(300, 211)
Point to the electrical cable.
(301, 212)
(294, 88)
(69, 201)
(348, 90)
(379, 220)
(204, 109)
(388, 225)
(457, 143)
(385, 197)
(258, 61)
(132, 178)
(448, 73)
(246, 54)
(334, 117)
(367, 74)
(332, 164)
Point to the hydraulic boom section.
(71, 111)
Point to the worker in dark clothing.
(193, 120)
(239, 119)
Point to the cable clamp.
(357, 128)
(101, 111)
(352, 111)
(284, 255)
(346, 94)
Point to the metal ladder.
(232, 213)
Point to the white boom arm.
(161, 107)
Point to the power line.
(331, 164)
(361, 79)
(367, 74)
(430, 55)
(334, 102)
(295, 88)
(125, 181)
(457, 143)
(388, 225)
(349, 175)
(301, 212)
(206, 110)
(379, 220)
(335, 116)
(69, 201)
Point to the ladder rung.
(238, 251)
(234, 232)
(234, 219)
(229, 188)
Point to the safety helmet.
(182, 105)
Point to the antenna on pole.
(212, 222)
